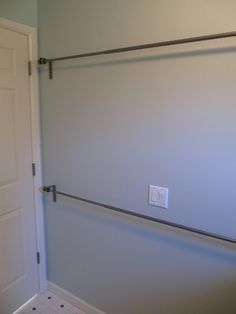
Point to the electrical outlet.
(158, 196)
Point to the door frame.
(31, 33)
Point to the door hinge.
(38, 258)
(30, 68)
(33, 169)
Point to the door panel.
(7, 58)
(8, 157)
(12, 261)
(18, 267)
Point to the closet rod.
(55, 192)
(132, 48)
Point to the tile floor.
(48, 303)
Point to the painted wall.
(23, 11)
(114, 124)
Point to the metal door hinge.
(38, 258)
(30, 68)
(33, 169)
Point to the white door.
(18, 265)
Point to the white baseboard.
(72, 299)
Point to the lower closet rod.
(55, 192)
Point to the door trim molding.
(31, 33)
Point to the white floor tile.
(49, 303)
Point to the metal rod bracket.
(50, 70)
(42, 61)
(53, 189)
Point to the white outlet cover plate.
(158, 196)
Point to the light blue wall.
(21, 11)
(114, 124)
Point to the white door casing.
(21, 216)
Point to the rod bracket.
(50, 70)
(53, 189)
(42, 61)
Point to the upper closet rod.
(132, 48)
